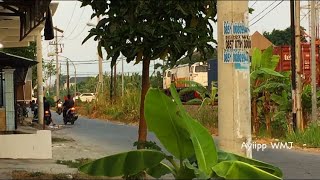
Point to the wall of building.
(26, 146)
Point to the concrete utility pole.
(57, 62)
(122, 79)
(68, 78)
(234, 109)
(40, 80)
(299, 72)
(115, 81)
(313, 62)
(293, 65)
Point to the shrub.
(310, 137)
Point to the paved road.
(114, 138)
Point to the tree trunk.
(145, 86)
(267, 112)
(255, 120)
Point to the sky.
(73, 21)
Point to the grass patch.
(59, 140)
(206, 115)
(310, 137)
(74, 163)
(22, 174)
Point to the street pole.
(57, 65)
(313, 62)
(115, 81)
(122, 79)
(298, 67)
(234, 109)
(293, 65)
(40, 81)
(68, 78)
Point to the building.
(21, 22)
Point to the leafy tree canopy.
(148, 30)
(282, 37)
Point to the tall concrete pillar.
(234, 108)
(40, 79)
(9, 98)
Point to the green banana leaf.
(162, 119)
(271, 72)
(225, 156)
(160, 170)
(128, 163)
(240, 170)
(256, 59)
(204, 147)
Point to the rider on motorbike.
(69, 103)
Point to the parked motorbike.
(35, 113)
(47, 117)
(71, 116)
(59, 108)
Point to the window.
(201, 69)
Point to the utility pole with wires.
(299, 72)
(313, 62)
(57, 44)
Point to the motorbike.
(71, 116)
(59, 108)
(35, 113)
(47, 117)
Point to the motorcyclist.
(69, 103)
(46, 107)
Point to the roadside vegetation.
(22, 175)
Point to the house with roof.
(21, 22)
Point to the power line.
(305, 15)
(71, 15)
(263, 10)
(267, 13)
(254, 3)
(76, 25)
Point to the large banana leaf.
(271, 72)
(240, 170)
(202, 141)
(163, 119)
(256, 59)
(224, 156)
(160, 170)
(128, 163)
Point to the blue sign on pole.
(237, 43)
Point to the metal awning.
(10, 60)
(20, 64)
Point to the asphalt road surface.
(115, 138)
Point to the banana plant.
(191, 151)
(262, 69)
(206, 97)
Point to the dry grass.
(21, 175)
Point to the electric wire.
(254, 3)
(263, 10)
(76, 25)
(267, 13)
(71, 16)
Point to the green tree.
(50, 70)
(282, 37)
(148, 30)
(29, 52)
